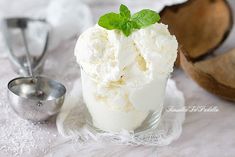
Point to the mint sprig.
(127, 23)
(124, 11)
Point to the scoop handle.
(4, 25)
(21, 23)
(28, 57)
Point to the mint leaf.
(135, 25)
(127, 23)
(127, 28)
(124, 11)
(145, 18)
(111, 21)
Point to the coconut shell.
(216, 75)
(199, 25)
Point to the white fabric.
(71, 121)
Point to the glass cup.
(140, 111)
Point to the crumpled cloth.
(71, 121)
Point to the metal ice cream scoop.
(35, 98)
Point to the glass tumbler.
(112, 108)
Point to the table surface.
(204, 133)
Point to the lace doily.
(71, 122)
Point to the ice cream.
(124, 78)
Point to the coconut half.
(200, 27)
(216, 75)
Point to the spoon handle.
(27, 53)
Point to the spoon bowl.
(36, 98)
